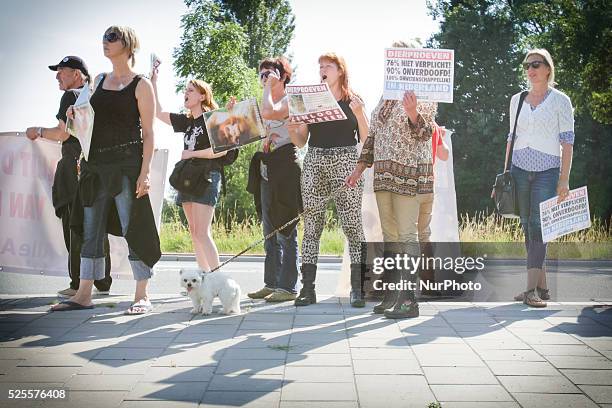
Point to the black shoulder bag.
(506, 202)
(191, 176)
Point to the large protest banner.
(313, 104)
(31, 237)
(570, 215)
(427, 72)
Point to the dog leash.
(253, 245)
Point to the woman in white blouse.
(541, 161)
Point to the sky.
(37, 33)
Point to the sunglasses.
(110, 37)
(533, 64)
(264, 75)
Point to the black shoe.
(356, 298)
(307, 295)
(390, 296)
(404, 311)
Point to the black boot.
(389, 276)
(307, 295)
(356, 298)
(406, 305)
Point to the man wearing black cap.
(71, 75)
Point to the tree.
(487, 61)
(268, 23)
(490, 38)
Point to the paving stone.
(7, 365)
(196, 357)
(565, 350)
(509, 355)
(589, 377)
(361, 353)
(506, 344)
(492, 393)
(250, 367)
(337, 347)
(245, 383)
(115, 367)
(538, 400)
(186, 391)
(314, 320)
(601, 394)
(399, 391)
(523, 368)
(171, 375)
(89, 399)
(109, 382)
(466, 359)
(13, 353)
(377, 342)
(248, 399)
(540, 384)
(459, 375)
(387, 367)
(599, 363)
(303, 391)
(53, 360)
(317, 374)
(320, 404)
(159, 404)
(480, 404)
(319, 360)
(267, 353)
(125, 353)
(19, 375)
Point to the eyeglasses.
(533, 64)
(110, 37)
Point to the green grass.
(493, 236)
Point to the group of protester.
(108, 192)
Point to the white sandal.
(143, 306)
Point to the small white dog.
(203, 287)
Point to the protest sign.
(31, 237)
(313, 104)
(231, 129)
(572, 214)
(81, 126)
(427, 72)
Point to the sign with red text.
(570, 215)
(31, 236)
(313, 104)
(428, 72)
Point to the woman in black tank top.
(116, 174)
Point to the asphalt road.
(568, 280)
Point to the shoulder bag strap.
(518, 112)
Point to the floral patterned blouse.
(399, 150)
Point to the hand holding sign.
(409, 102)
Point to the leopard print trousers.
(323, 174)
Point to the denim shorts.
(210, 196)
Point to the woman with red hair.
(332, 154)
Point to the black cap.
(71, 62)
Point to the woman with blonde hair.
(200, 209)
(114, 180)
(541, 160)
(332, 154)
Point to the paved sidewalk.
(325, 355)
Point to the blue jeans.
(281, 264)
(94, 232)
(533, 187)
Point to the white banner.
(427, 72)
(31, 236)
(571, 215)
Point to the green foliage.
(490, 38)
(269, 24)
(487, 64)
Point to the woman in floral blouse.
(399, 148)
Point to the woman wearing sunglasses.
(332, 155)
(541, 161)
(114, 182)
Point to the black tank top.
(117, 119)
